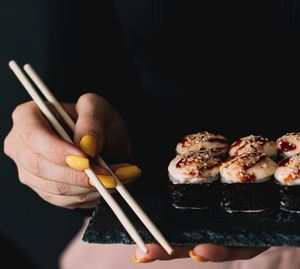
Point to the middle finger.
(49, 186)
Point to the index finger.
(38, 135)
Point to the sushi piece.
(253, 143)
(287, 177)
(202, 141)
(289, 144)
(246, 182)
(194, 180)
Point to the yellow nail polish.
(107, 181)
(196, 258)
(128, 172)
(77, 162)
(143, 260)
(88, 144)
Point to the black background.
(171, 68)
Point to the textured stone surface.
(269, 228)
(187, 226)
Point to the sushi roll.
(253, 143)
(202, 141)
(194, 180)
(289, 144)
(246, 184)
(287, 177)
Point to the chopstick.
(90, 173)
(119, 186)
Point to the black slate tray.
(187, 226)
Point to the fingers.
(63, 194)
(99, 128)
(37, 134)
(156, 252)
(39, 166)
(200, 253)
(44, 159)
(216, 253)
(94, 113)
(85, 200)
(51, 187)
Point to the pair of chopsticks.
(90, 173)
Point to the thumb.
(94, 114)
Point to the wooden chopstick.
(119, 186)
(90, 173)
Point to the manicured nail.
(143, 260)
(128, 172)
(78, 162)
(197, 258)
(107, 181)
(88, 144)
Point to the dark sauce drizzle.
(286, 146)
(284, 162)
(184, 162)
(246, 177)
(261, 141)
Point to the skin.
(209, 252)
(39, 154)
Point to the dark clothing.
(170, 67)
(178, 66)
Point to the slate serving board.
(187, 226)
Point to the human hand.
(41, 155)
(200, 253)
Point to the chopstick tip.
(26, 66)
(12, 63)
(170, 251)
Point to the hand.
(201, 253)
(40, 154)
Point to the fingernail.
(196, 258)
(88, 144)
(107, 181)
(142, 260)
(128, 172)
(78, 162)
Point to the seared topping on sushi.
(194, 167)
(247, 168)
(289, 144)
(288, 171)
(253, 143)
(202, 140)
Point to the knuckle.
(22, 178)
(27, 133)
(77, 178)
(47, 197)
(24, 127)
(81, 198)
(7, 145)
(19, 110)
(34, 165)
(58, 188)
